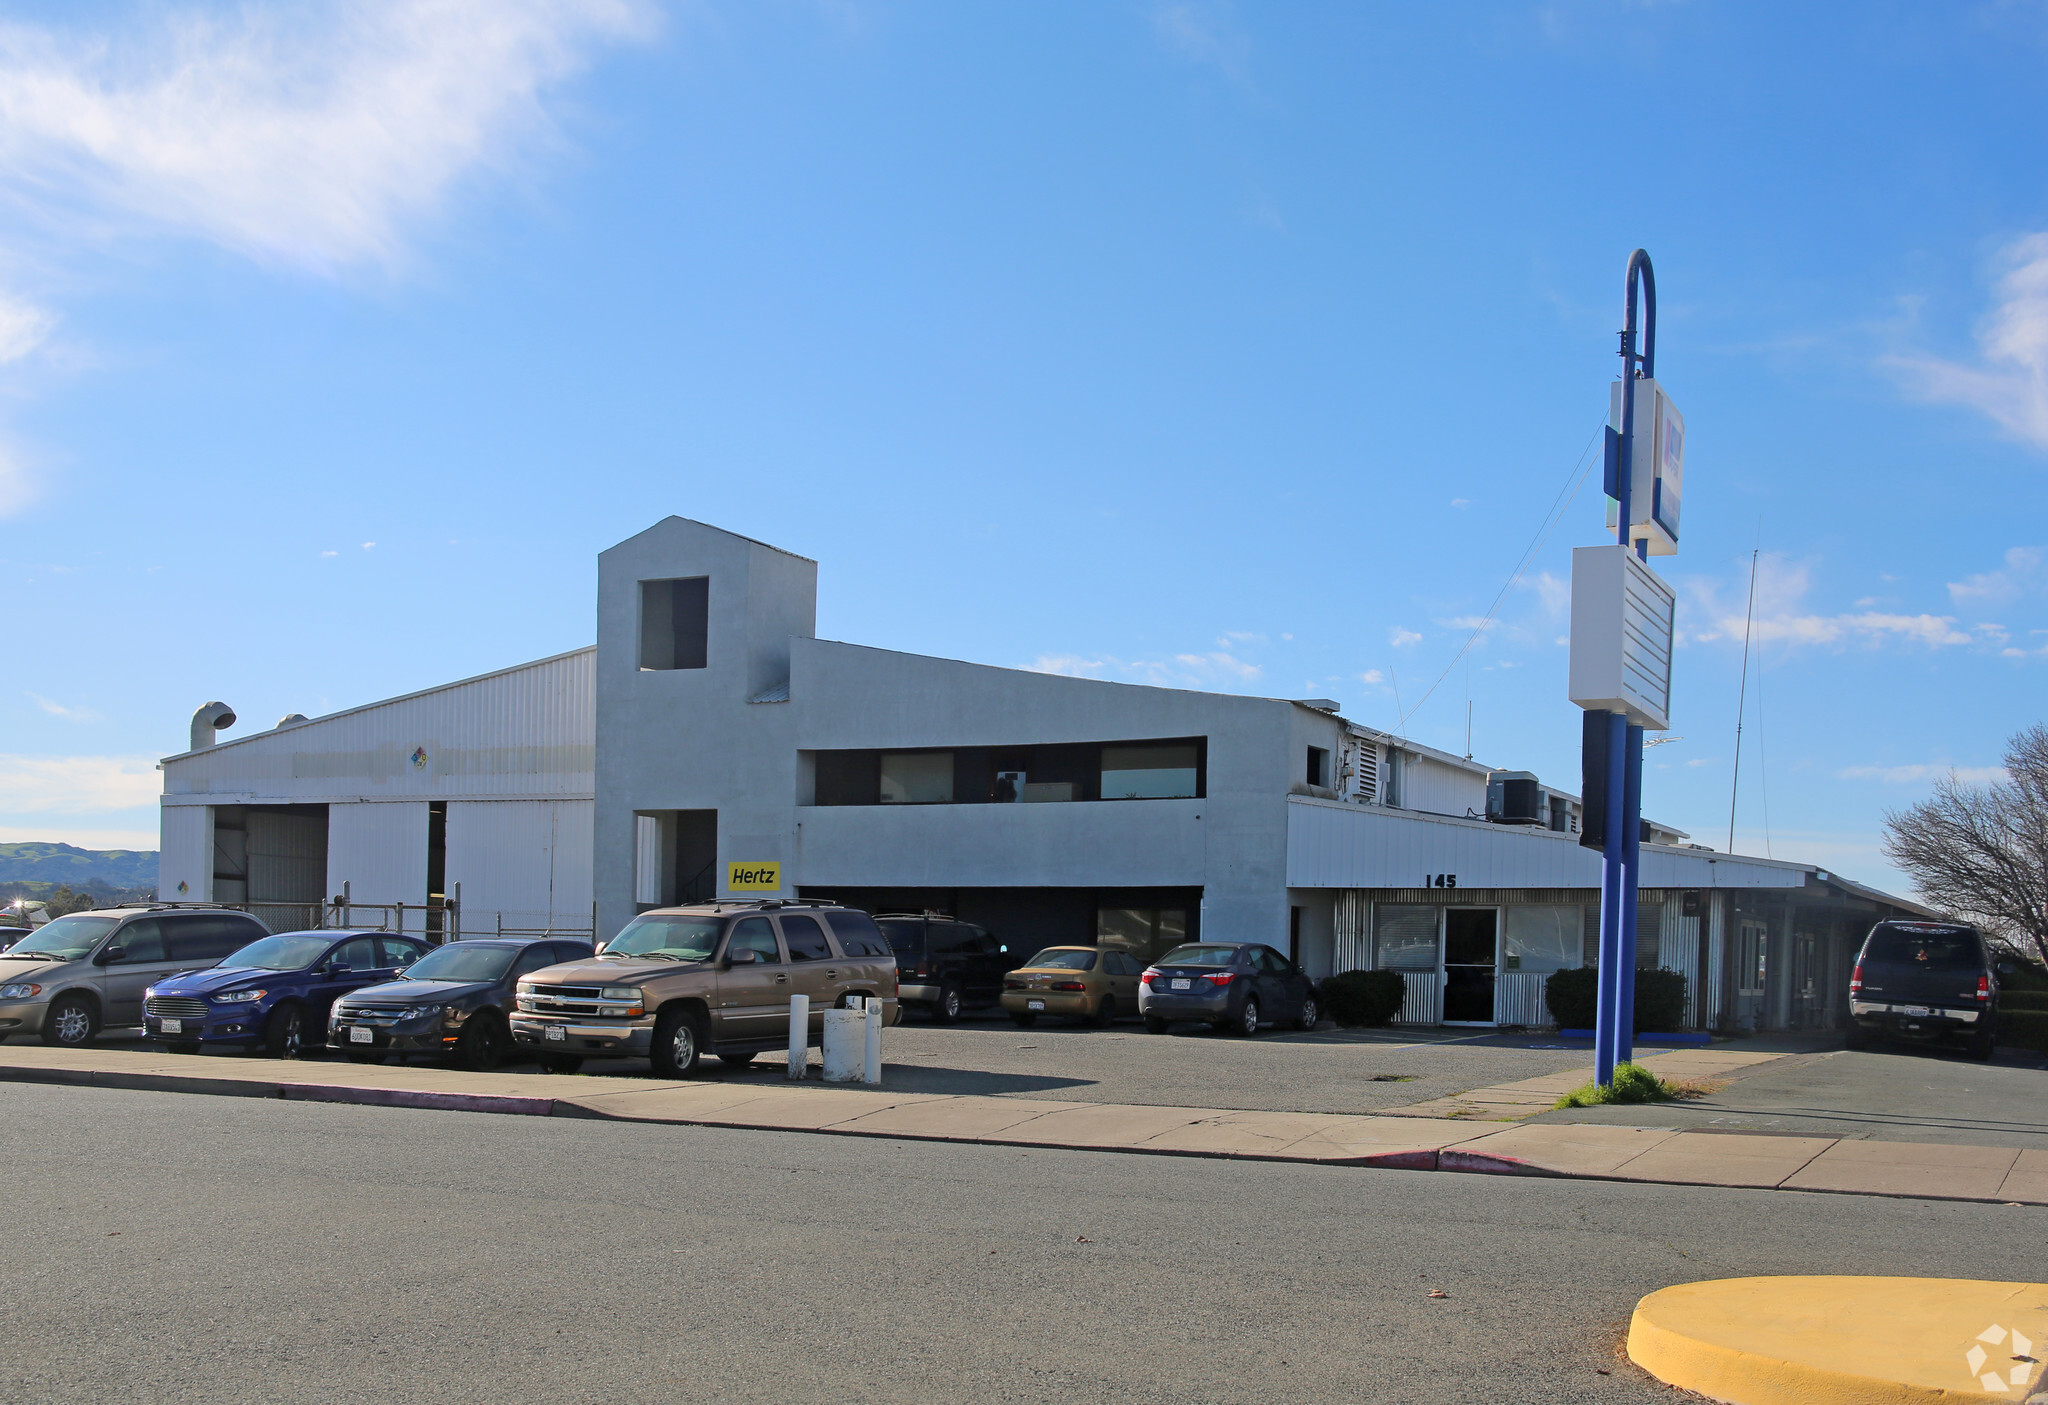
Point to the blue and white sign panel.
(1623, 616)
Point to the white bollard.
(799, 1036)
(845, 1044)
(873, 1071)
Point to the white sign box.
(1622, 617)
(1656, 465)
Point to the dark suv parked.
(456, 1001)
(942, 964)
(1925, 981)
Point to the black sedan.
(451, 1002)
(1231, 986)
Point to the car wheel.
(1023, 1019)
(1311, 1013)
(1857, 1037)
(947, 1008)
(678, 1044)
(1105, 1013)
(1247, 1022)
(71, 1022)
(1981, 1047)
(284, 1034)
(481, 1046)
(559, 1063)
(735, 1060)
(1155, 1025)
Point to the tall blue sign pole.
(1614, 1032)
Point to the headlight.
(239, 997)
(621, 992)
(527, 987)
(21, 990)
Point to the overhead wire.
(1567, 494)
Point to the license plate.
(174, 1026)
(358, 1035)
(1914, 1010)
(1034, 1004)
(555, 1033)
(1181, 984)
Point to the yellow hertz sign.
(753, 877)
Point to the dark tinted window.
(141, 941)
(535, 957)
(394, 952)
(1270, 960)
(806, 939)
(857, 934)
(755, 935)
(944, 938)
(210, 937)
(906, 937)
(1926, 951)
(358, 955)
(980, 941)
(573, 951)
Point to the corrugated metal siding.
(185, 854)
(379, 850)
(1518, 999)
(528, 731)
(1428, 784)
(1334, 845)
(525, 861)
(1423, 1002)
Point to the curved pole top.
(1639, 264)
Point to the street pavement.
(166, 1247)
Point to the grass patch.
(1632, 1084)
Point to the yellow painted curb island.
(1844, 1341)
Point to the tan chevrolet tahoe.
(711, 978)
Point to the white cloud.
(2020, 574)
(1401, 638)
(330, 553)
(16, 488)
(1781, 589)
(1469, 622)
(1372, 676)
(1921, 774)
(23, 327)
(2009, 383)
(77, 785)
(1068, 665)
(1202, 31)
(1554, 591)
(69, 714)
(1205, 671)
(1461, 502)
(309, 136)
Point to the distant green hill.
(60, 863)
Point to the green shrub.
(2023, 1000)
(1632, 1084)
(1573, 997)
(2024, 1029)
(1357, 998)
(2028, 977)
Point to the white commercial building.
(711, 745)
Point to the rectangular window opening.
(1158, 771)
(917, 778)
(1318, 769)
(675, 623)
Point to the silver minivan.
(84, 972)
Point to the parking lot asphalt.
(173, 1248)
(1895, 1095)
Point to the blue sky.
(1242, 347)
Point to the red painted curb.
(1486, 1164)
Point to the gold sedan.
(1080, 982)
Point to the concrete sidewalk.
(1666, 1155)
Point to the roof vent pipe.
(291, 718)
(208, 720)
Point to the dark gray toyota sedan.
(1234, 987)
(451, 1002)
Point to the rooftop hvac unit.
(1514, 797)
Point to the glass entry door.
(1471, 956)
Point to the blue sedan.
(273, 995)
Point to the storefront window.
(1405, 935)
(1145, 932)
(917, 777)
(1540, 938)
(1149, 772)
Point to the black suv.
(942, 964)
(1926, 981)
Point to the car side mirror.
(338, 969)
(746, 957)
(2007, 968)
(109, 955)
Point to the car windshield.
(67, 939)
(278, 953)
(1198, 956)
(1059, 958)
(461, 961)
(1926, 951)
(678, 938)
